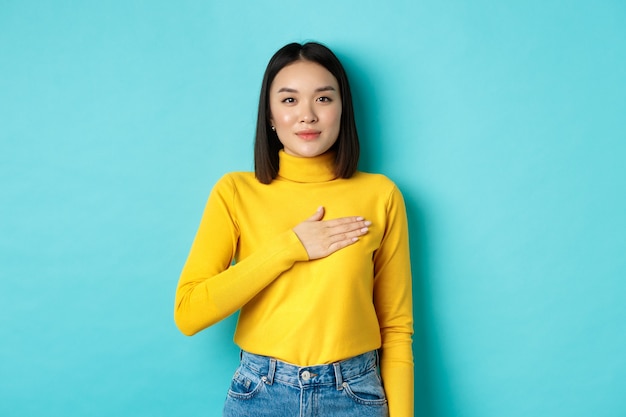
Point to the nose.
(308, 114)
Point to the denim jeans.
(264, 386)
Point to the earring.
(274, 128)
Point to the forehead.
(304, 75)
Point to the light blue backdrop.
(502, 122)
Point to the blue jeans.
(264, 386)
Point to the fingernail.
(368, 223)
(358, 219)
(364, 229)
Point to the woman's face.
(305, 107)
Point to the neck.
(316, 169)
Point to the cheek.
(334, 118)
(276, 113)
(285, 117)
(282, 117)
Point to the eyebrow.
(317, 90)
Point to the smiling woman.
(268, 144)
(326, 315)
(305, 108)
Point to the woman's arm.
(210, 288)
(393, 302)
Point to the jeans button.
(306, 375)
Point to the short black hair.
(267, 145)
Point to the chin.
(312, 154)
(305, 153)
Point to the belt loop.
(338, 376)
(271, 371)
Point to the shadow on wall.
(422, 311)
(371, 135)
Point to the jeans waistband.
(334, 373)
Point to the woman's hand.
(323, 237)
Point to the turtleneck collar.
(316, 169)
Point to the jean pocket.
(245, 384)
(366, 389)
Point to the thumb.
(319, 215)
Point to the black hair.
(267, 145)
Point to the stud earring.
(274, 128)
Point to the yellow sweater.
(305, 312)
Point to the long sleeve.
(305, 312)
(393, 302)
(210, 288)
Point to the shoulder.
(233, 179)
(378, 182)
(232, 182)
(382, 186)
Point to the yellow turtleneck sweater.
(305, 312)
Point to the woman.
(321, 295)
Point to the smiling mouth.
(308, 134)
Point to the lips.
(308, 134)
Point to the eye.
(288, 100)
(324, 99)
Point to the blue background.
(502, 122)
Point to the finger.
(317, 216)
(351, 236)
(334, 247)
(339, 229)
(343, 220)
